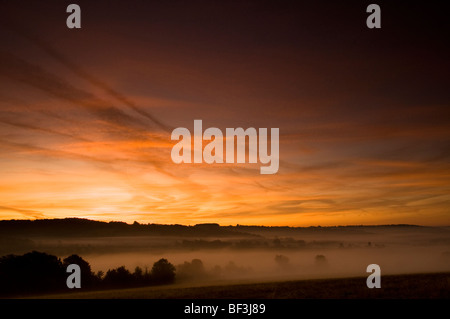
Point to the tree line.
(38, 272)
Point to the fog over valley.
(209, 252)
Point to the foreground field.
(436, 285)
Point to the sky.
(86, 114)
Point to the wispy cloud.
(25, 212)
(89, 134)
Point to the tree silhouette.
(88, 278)
(321, 262)
(30, 273)
(138, 273)
(119, 277)
(281, 260)
(37, 272)
(140, 277)
(191, 270)
(163, 272)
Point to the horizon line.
(236, 225)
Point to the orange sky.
(86, 115)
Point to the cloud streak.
(364, 132)
(25, 212)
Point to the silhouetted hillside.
(77, 227)
(83, 236)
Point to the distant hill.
(78, 227)
(62, 237)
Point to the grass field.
(433, 285)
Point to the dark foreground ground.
(435, 286)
